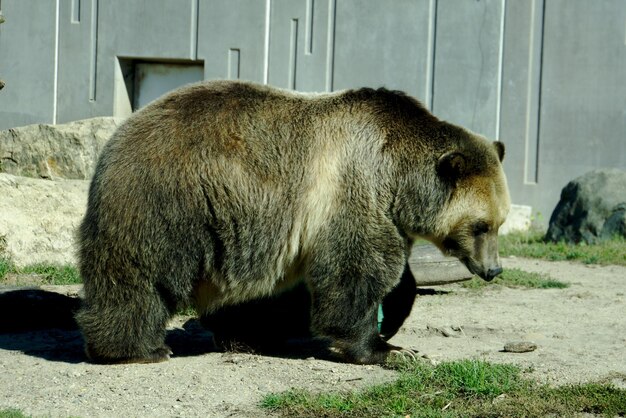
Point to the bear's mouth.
(477, 269)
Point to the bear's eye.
(480, 228)
(451, 244)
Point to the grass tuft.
(467, 388)
(478, 378)
(517, 278)
(531, 245)
(6, 266)
(53, 274)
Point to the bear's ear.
(452, 165)
(499, 149)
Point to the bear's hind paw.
(159, 355)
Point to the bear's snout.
(492, 273)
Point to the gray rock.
(38, 218)
(55, 151)
(587, 203)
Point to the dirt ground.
(579, 331)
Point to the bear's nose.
(493, 272)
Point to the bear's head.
(461, 200)
(476, 206)
(447, 183)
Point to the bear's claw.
(405, 354)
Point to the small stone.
(519, 347)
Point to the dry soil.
(579, 332)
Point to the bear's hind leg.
(125, 329)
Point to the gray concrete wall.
(27, 63)
(547, 77)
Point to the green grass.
(52, 274)
(5, 262)
(467, 388)
(12, 413)
(5, 266)
(531, 244)
(518, 279)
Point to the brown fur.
(222, 192)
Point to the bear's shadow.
(41, 323)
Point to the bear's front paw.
(377, 352)
(403, 355)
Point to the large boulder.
(67, 151)
(591, 208)
(38, 218)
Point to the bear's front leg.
(367, 348)
(349, 318)
(347, 285)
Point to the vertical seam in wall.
(330, 46)
(55, 83)
(193, 48)
(233, 64)
(529, 89)
(500, 70)
(432, 53)
(93, 48)
(75, 12)
(266, 56)
(429, 54)
(310, 8)
(293, 53)
(539, 92)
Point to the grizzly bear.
(222, 192)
